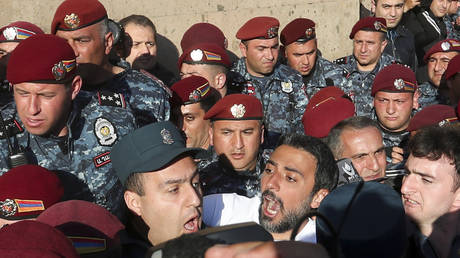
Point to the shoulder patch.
(13, 127)
(342, 60)
(105, 132)
(108, 98)
(153, 77)
(102, 159)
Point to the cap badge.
(286, 86)
(59, 71)
(72, 21)
(445, 46)
(377, 25)
(167, 137)
(210, 56)
(238, 110)
(272, 32)
(399, 84)
(309, 32)
(199, 93)
(225, 43)
(196, 55)
(105, 132)
(8, 208)
(447, 121)
(10, 33)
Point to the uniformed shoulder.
(285, 72)
(117, 112)
(342, 61)
(141, 81)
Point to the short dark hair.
(134, 183)
(207, 103)
(435, 142)
(333, 139)
(327, 172)
(138, 20)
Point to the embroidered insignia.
(107, 98)
(72, 21)
(59, 71)
(272, 32)
(212, 56)
(23, 33)
(167, 137)
(445, 46)
(399, 84)
(88, 245)
(309, 32)
(10, 33)
(197, 94)
(196, 55)
(102, 159)
(238, 110)
(447, 121)
(377, 25)
(69, 65)
(105, 132)
(250, 89)
(286, 86)
(8, 208)
(29, 205)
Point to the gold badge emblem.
(238, 110)
(286, 86)
(72, 21)
(59, 71)
(105, 132)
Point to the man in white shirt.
(299, 174)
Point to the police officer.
(52, 125)
(162, 189)
(84, 24)
(236, 135)
(434, 115)
(207, 60)
(437, 60)
(302, 54)
(10, 36)
(192, 98)
(395, 97)
(369, 41)
(278, 87)
(452, 80)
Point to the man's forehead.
(263, 42)
(236, 124)
(365, 140)
(194, 109)
(393, 95)
(302, 46)
(369, 35)
(86, 31)
(390, 2)
(425, 166)
(440, 55)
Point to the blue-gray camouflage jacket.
(83, 156)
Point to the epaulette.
(153, 77)
(13, 128)
(341, 61)
(108, 98)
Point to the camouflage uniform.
(359, 84)
(148, 97)
(83, 154)
(324, 73)
(428, 95)
(283, 98)
(220, 177)
(452, 33)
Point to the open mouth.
(192, 225)
(271, 206)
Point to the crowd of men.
(105, 153)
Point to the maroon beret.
(369, 24)
(318, 120)
(236, 107)
(203, 32)
(394, 78)
(17, 31)
(432, 115)
(34, 239)
(259, 27)
(453, 67)
(26, 191)
(77, 14)
(41, 58)
(192, 89)
(300, 29)
(90, 227)
(204, 53)
(323, 94)
(447, 45)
